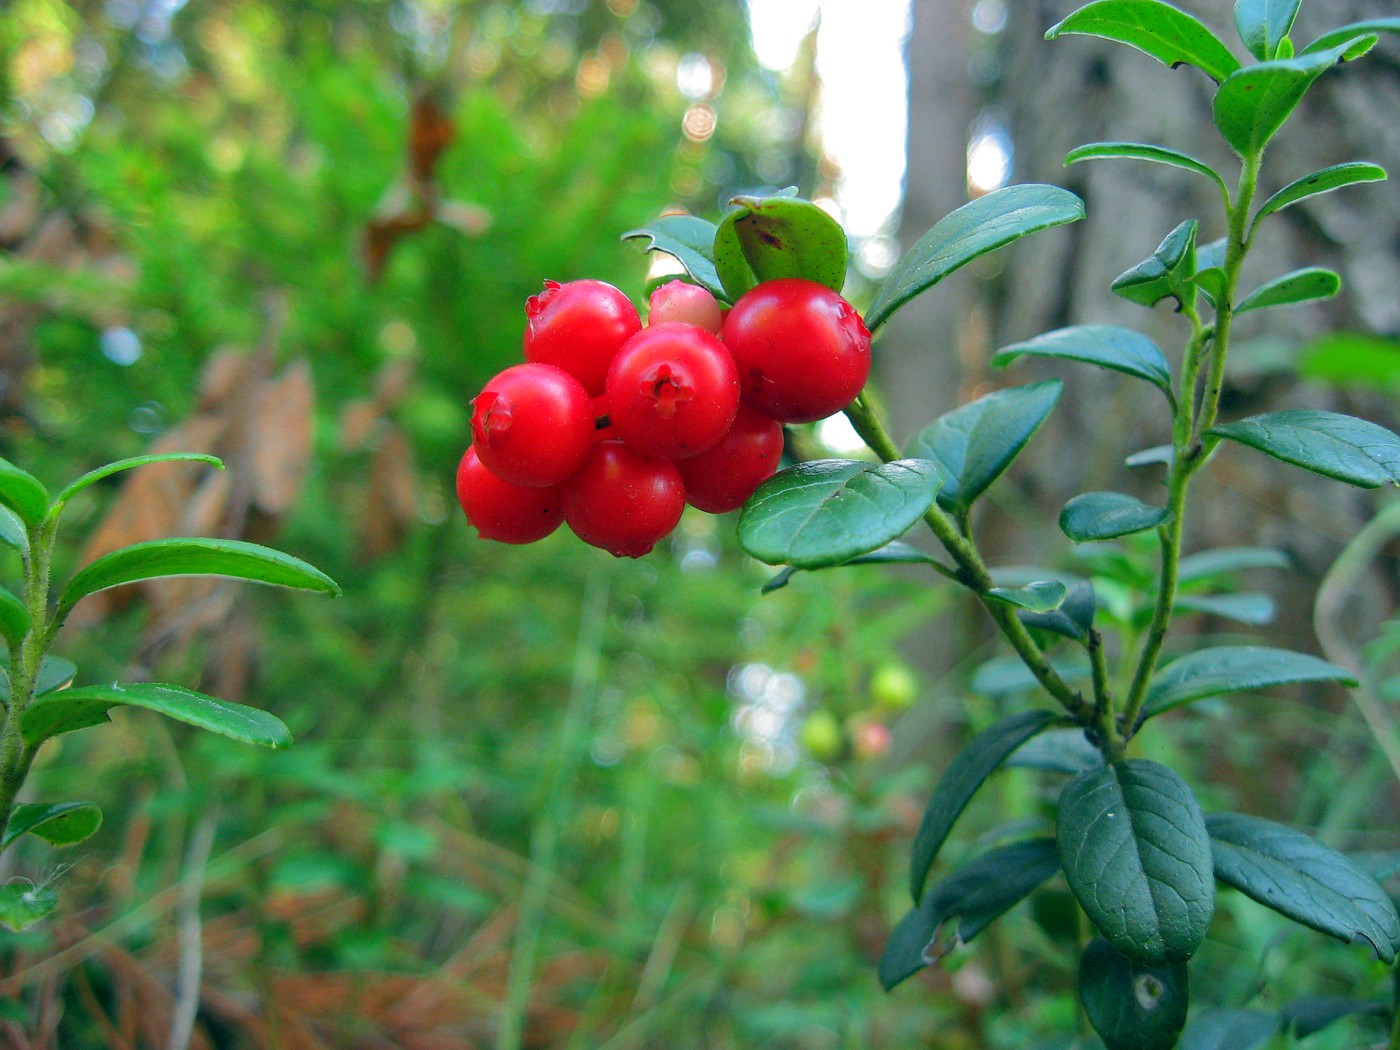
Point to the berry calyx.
(723, 477)
(532, 425)
(578, 327)
(802, 351)
(502, 511)
(685, 302)
(623, 502)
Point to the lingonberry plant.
(39, 700)
(1139, 855)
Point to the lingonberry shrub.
(578, 327)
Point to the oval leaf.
(22, 904)
(767, 238)
(1072, 619)
(1252, 104)
(1007, 675)
(1137, 857)
(1093, 516)
(58, 823)
(1169, 35)
(1299, 877)
(14, 617)
(23, 493)
(895, 553)
(194, 557)
(978, 759)
(688, 240)
(1218, 1029)
(1263, 25)
(1224, 560)
(1349, 34)
(87, 705)
(1328, 443)
(93, 476)
(1147, 152)
(976, 895)
(1324, 181)
(1132, 1006)
(1042, 596)
(1301, 286)
(1233, 669)
(1253, 609)
(1108, 346)
(978, 227)
(1166, 274)
(12, 531)
(829, 511)
(975, 443)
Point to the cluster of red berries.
(613, 427)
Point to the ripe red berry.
(502, 511)
(802, 351)
(623, 502)
(578, 327)
(532, 425)
(672, 391)
(721, 478)
(682, 301)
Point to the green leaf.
(1221, 561)
(1093, 516)
(976, 895)
(1072, 619)
(1137, 858)
(1299, 877)
(54, 673)
(84, 706)
(990, 222)
(1107, 346)
(1058, 751)
(1156, 456)
(1350, 34)
(23, 493)
(1328, 443)
(828, 511)
(14, 617)
(690, 241)
(94, 476)
(1233, 669)
(978, 759)
(1252, 104)
(895, 553)
(1353, 359)
(1042, 596)
(767, 238)
(1169, 35)
(1264, 24)
(1253, 609)
(1312, 1013)
(194, 557)
(1324, 181)
(1131, 1005)
(58, 823)
(1004, 676)
(12, 531)
(1301, 286)
(22, 904)
(1147, 152)
(1166, 273)
(975, 443)
(1215, 1028)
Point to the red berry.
(578, 327)
(672, 391)
(802, 351)
(721, 478)
(682, 301)
(532, 425)
(502, 511)
(623, 502)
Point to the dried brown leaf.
(282, 439)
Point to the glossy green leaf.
(194, 557)
(1312, 1013)
(895, 553)
(1168, 34)
(990, 222)
(1166, 273)
(1221, 561)
(1233, 669)
(1215, 1028)
(975, 443)
(14, 617)
(1299, 877)
(1264, 24)
(1350, 34)
(23, 493)
(1147, 152)
(1252, 104)
(54, 673)
(973, 897)
(688, 240)
(1301, 286)
(22, 904)
(1072, 619)
(58, 823)
(1253, 609)
(767, 238)
(1093, 516)
(84, 706)
(1156, 456)
(12, 531)
(93, 476)
(1137, 857)
(1042, 596)
(1328, 443)
(1324, 181)
(978, 759)
(1131, 1005)
(828, 511)
(1058, 751)
(1107, 346)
